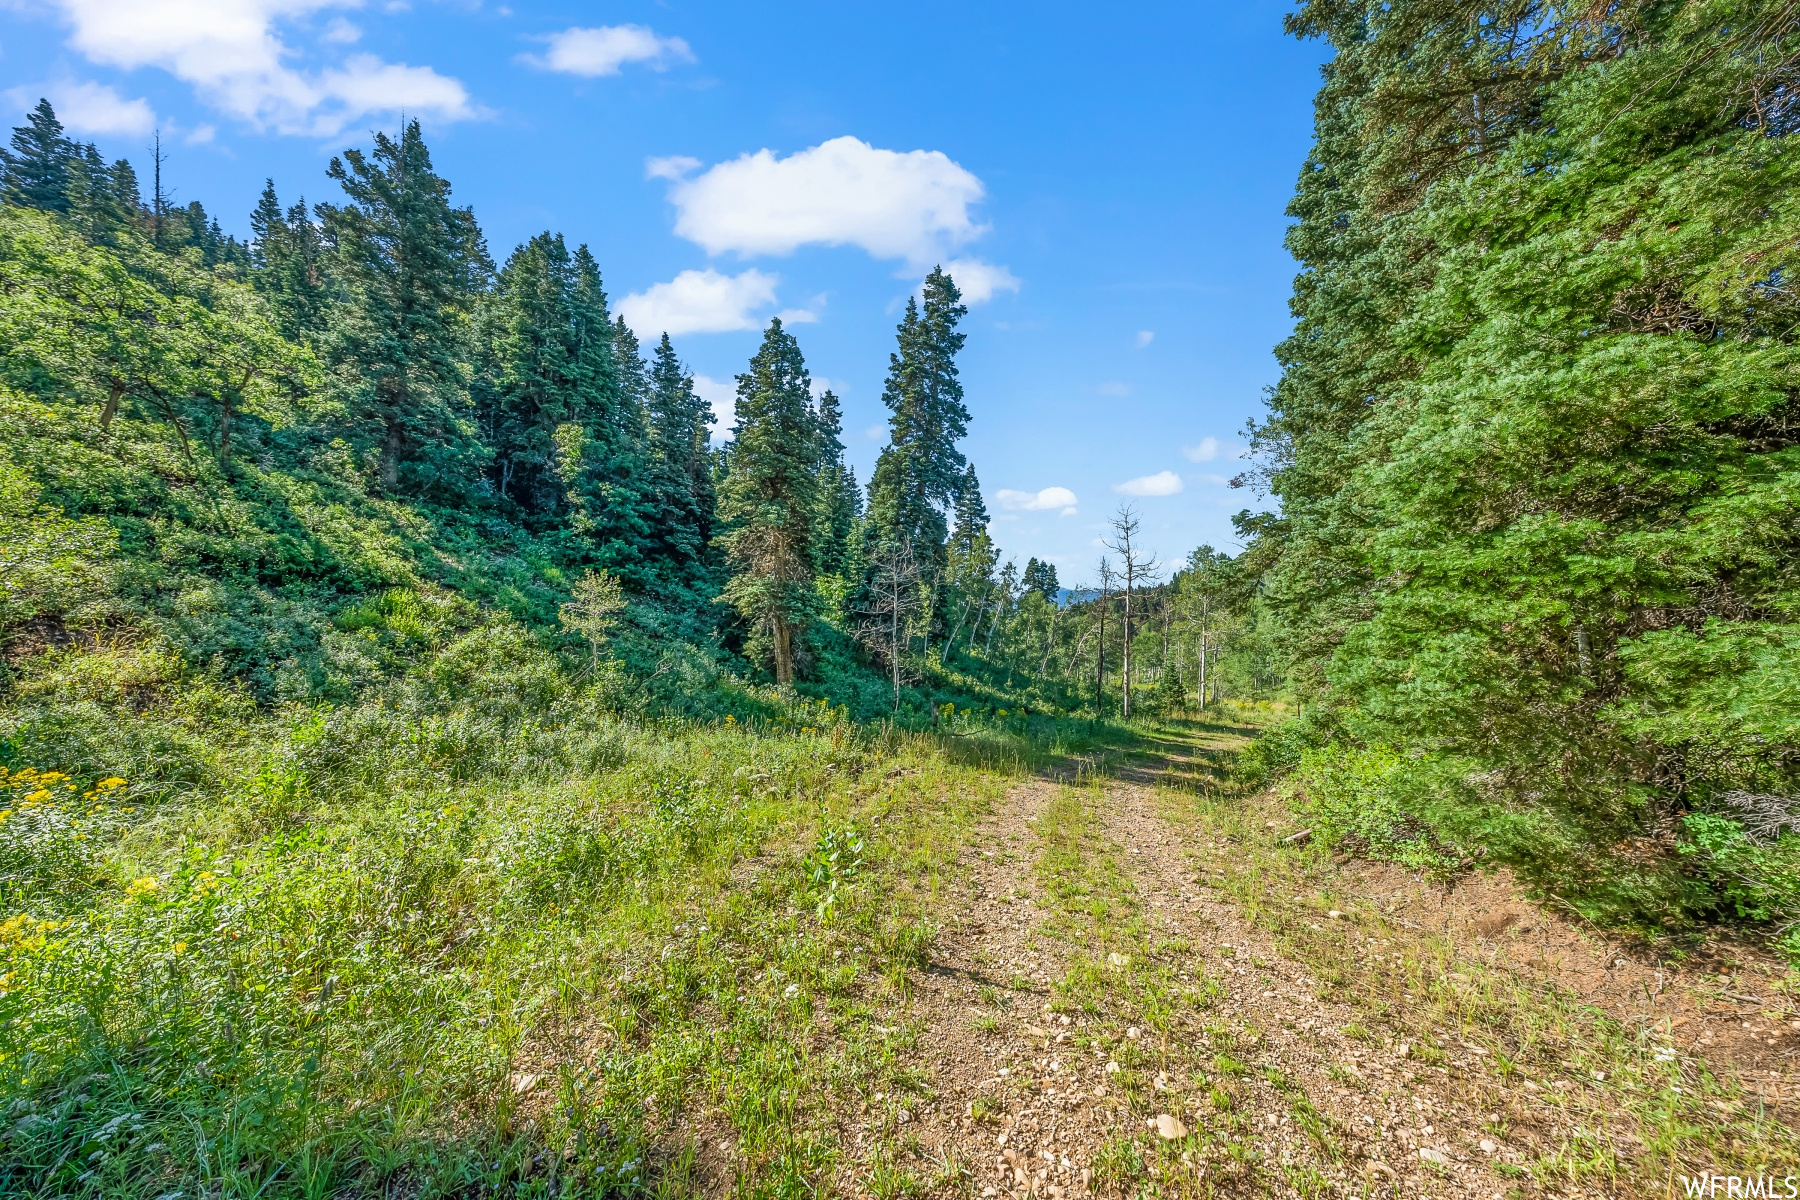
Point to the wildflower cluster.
(50, 831)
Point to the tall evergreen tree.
(769, 503)
(93, 205)
(918, 475)
(683, 487)
(412, 266)
(566, 445)
(1534, 439)
(634, 373)
(1040, 577)
(37, 165)
(287, 258)
(971, 513)
(840, 499)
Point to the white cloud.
(875, 432)
(341, 31)
(699, 302)
(1205, 450)
(673, 166)
(1113, 387)
(1051, 497)
(844, 192)
(231, 54)
(86, 107)
(722, 398)
(1163, 483)
(978, 281)
(603, 50)
(1145, 337)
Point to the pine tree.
(287, 260)
(93, 207)
(566, 445)
(634, 375)
(971, 513)
(1040, 577)
(683, 487)
(920, 472)
(37, 166)
(125, 195)
(412, 266)
(769, 503)
(840, 500)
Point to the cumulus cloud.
(1205, 450)
(722, 399)
(699, 302)
(1145, 337)
(606, 48)
(1050, 498)
(230, 53)
(911, 205)
(978, 281)
(1163, 483)
(86, 107)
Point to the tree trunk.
(112, 405)
(784, 652)
(951, 640)
(1100, 665)
(225, 436)
(1125, 674)
(894, 657)
(391, 447)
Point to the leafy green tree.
(769, 504)
(136, 329)
(594, 610)
(412, 268)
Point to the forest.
(398, 670)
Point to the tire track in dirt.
(1401, 1134)
(1021, 1103)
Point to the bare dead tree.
(1136, 567)
(1107, 578)
(887, 615)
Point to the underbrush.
(475, 932)
(1600, 854)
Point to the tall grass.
(484, 931)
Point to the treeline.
(371, 345)
(1534, 569)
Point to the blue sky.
(1109, 181)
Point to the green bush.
(1756, 880)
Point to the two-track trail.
(1103, 1016)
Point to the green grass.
(449, 941)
